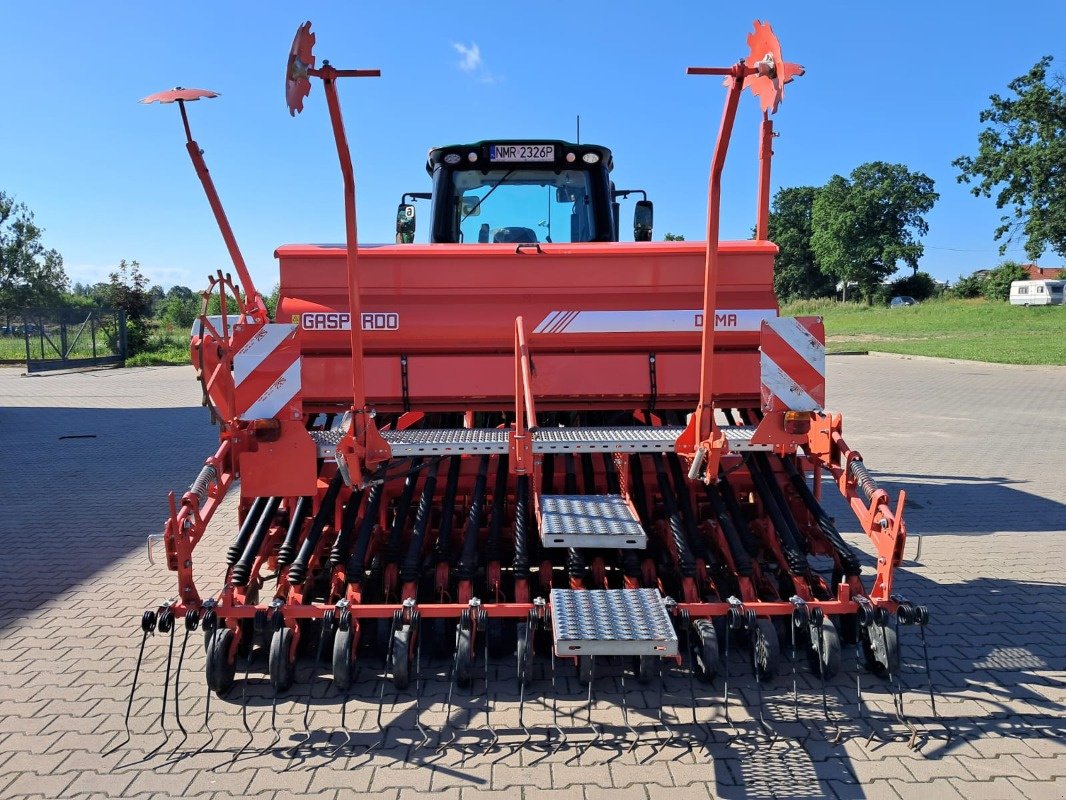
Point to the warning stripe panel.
(255, 350)
(792, 364)
(266, 372)
(806, 369)
(284, 389)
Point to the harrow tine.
(244, 707)
(443, 744)
(686, 625)
(383, 729)
(625, 715)
(921, 619)
(555, 709)
(192, 622)
(864, 617)
(799, 613)
(768, 732)
(819, 621)
(416, 624)
(524, 678)
(209, 623)
(327, 625)
(597, 733)
(484, 626)
(165, 624)
(149, 621)
(349, 734)
(895, 681)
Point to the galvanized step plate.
(611, 622)
(447, 441)
(738, 438)
(326, 441)
(494, 441)
(597, 520)
(616, 439)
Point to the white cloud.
(471, 56)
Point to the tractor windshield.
(522, 205)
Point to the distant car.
(903, 300)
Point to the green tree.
(30, 275)
(179, 312)
(796, 272)
(863, 226)
(920, 286)
(127, 290)
(183, 292)
(1021, 156)
(674, 237)
(968, 287)
(997, 283)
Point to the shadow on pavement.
(83, 488)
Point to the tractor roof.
(481, 151)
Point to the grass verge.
(977, 330)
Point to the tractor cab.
(522, 192)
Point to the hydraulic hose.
(251, 519)
(287, 551)
(242, 570)
(409, 569)
(298, 568)
(741, 559)
(849, 563)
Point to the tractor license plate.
(522, 152)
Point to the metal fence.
(64, 338)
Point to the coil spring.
(863, 477)
(207, 476)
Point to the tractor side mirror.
(469, 206)
(642, 221)
(405, 223)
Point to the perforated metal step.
(493, 441)
(598, 520)
(606, 440)
(611, 622)
(327, 441)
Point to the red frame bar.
(255, 300)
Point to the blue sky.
(109, 179)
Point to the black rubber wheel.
(441, 634)
(401, 656)
(524, 655)
(827, 651)
(502, 635)
(767, 649)
(219, 667)
(704, 641)
(647, 669)
(282, 667)
(464, 658)
(881, 649)
(585, 670)
(848, 628)
(344, 657)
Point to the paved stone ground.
(87, 459)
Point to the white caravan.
(1037, 293)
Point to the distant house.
(1044, 273)
(1035, 273)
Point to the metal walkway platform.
(611, 622)
(493, 441)
(604, 520)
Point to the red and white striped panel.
(266, 371)
(792, 364)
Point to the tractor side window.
(522, 205)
